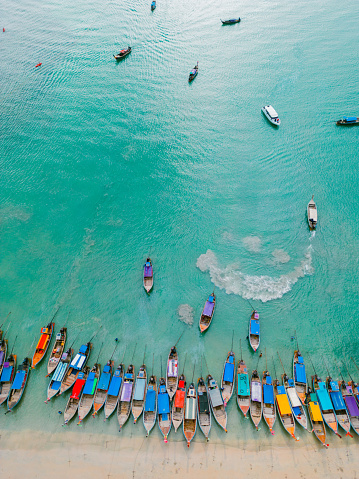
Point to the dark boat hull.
(121, 57)
(344, 123)
(231, 22)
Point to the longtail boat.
(316, 419)
(284, 410)
(59, 374)
(243, 389)
(203, 409)
(43, 344)
(19, 384)
(256, 399)
(172, 373)
(254, 331)
(114, 391)
(190, 414)
(207, 313)
(74, 399)
(102, 387)
(57, 350)
(325, 404)
(76, 366)
(351, 404)
(148, 275)
(300, 377)
(216, 402)
(3, 351)
(227, 382)
(139, 394)
(7, 377)
(164, 410)
(150, 409)
(339, 405)
(268, 401)
(312, 214)
(295, 402)
(124, 402)
(153, 5)
(193, 73)
(179, 403)
(88, 393)
(123, 53)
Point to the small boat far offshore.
(348, 121)
(231, 21)
(271, 115)
(193, 73)
(207, 313)
(312, 214)
(123, 53)
(148, 275)
(254, 331)
(153, 5)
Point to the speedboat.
(271, 115)
(312, 214)
(193, 73)
(348, 120)
(123, 53)
(231, 21)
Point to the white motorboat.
(312, 214)
(271, 115)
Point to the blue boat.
(153, 5)
(299, 375)
(348, 121)
(325, 404)
(150, 409)
(7, 377)
(88, 394)
(339, 405)
(114, 391)
(59, 374)
(254, 331)
(19, 384)
(228, 376)
(164, 410)
(268, 401)
(103, 387)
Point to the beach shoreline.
(35, 454)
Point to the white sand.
(68, 454)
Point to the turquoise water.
(103, 163)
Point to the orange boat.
(43, 344)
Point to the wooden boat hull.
(3, 349)
(205, 319)
(137, 405)
(148, 279)
(16, 394)
(256, 406)
(165, 426)
(178, 411)
(228, 386)
(218, 411)
(72, 374)
(5, 387)
(190, 414)
(149, 417)
(112, 400)
(87, 400)
(254, 339)
(57, 351)
(172, 381)
(230, 22)
(124, 55)
(328, 415)
(125, 400)
(243, 400)
(301, 388)
(41, 352)
(204, 417)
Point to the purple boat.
(351, 404)
(148, 275)
(124, 403)
(207, 313)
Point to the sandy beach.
(73, 455)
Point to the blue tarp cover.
(296, 411)
(59, 372)
(321, 385)
(89, 383)
(128, 375)
(334, 385)
(139, 389)
(83, 349)
(254, 327)
(150, 403)
(299, 372)
(6, 374)
(291, 383)
(115, 385)
(56, 385)
(19, 379)
(338, 401)
(243, 385)
(228, 373)
(350, 118)
(324, 400)
(104, 381)
(231, 359)
(163, 404)
(268, 395)
(268, 380)
(300, 360)
(107, 369)
(281, 389)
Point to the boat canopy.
(228, 375)
(163, 403)
(299, 373)
(78, 361)
(243, 385)
(190, 412)
(203, 405)
(150, 403)
(128, 376)
(179, 398)
(352, 406)
(60, 372)
(140, 388)
(256, 393)
(42, 341)
(76, 391)
(291, 383)
(6, 373)
(148, 271)
(283, 404)
(293, 397)
(324, 400)
(83, 349)
(19, 379)
(64, 356)
(271, 111)
(55, 386)
(104, 380)
(334, 385)
(208, 308)
(216, 398)
(2, 354)
(172, 369)
(126, 392)
(268, 394)
(315, 413)
(337, 400)
(255, 327)
(162, 388)
(115, 386)
(107, 369)
(268, 379)
(90, 385)
(350, 119)
(181, 384)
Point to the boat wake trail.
(263, 288)
(186, 314)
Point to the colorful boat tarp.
(352, 406)
(172, 369)
(293, 397)
(140, 388)
(19, 379)
(115, 385)
(268, 394)
(337, 400)
(216, 398)
(190, 411)
(78, 361)
(243, 385)
(203, 405)
(42, 341)
(148, 271)
(255, 328)
(283, 404)
(90, 385)
(2, 356)
(163, 403)
(324, 400)
(179, 398)
(60, 372)
(300, 374)
(315, 413)
(126, 392)
(150, 403)
(228, 375)
(83, 349)
(104, 380)
(6, 373)
(208, 308)
(76, 391)
(256, 392)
